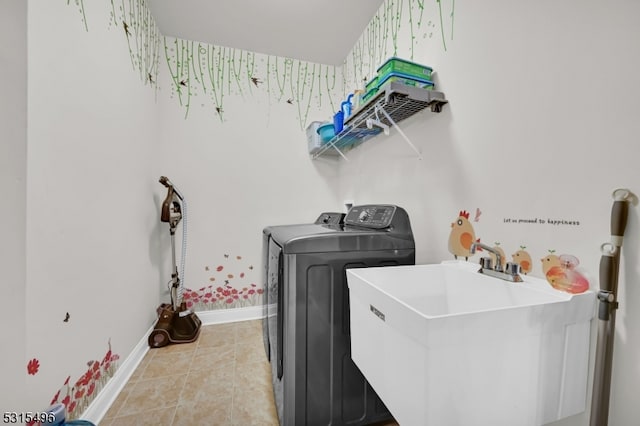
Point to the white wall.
(542, 122)
(247, 166)
(92, 196)
(105, 122)
(13, 169)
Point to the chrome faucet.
(498, 266)
(511, 272)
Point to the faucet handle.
(486, 263)
(512, 268)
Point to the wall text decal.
(540, 221)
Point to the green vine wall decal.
(210, 73)
(441, 24)
(395, 23)
(395, 26)
(141, 31)
(80, 5)
(213, 73)
(453, 8)
(143, 36)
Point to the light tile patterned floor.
(223, 378)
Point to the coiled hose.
(183, 254)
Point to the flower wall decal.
(33, 366)
(78, 396)
(230, 286)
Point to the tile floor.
(223, 378)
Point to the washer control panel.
(370, 216)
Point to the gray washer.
(306, 327)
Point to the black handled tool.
(608, 298)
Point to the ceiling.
(321, 31)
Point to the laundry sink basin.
(444, 345)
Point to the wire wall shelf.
(393, 103)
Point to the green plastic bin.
(398, 65)
(409, 80)
(373, 83)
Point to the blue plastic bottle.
(346, 107)
(338, 121)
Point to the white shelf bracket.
(395, 125)
(333, 145)
(371, 122)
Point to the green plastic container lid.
(395, 58)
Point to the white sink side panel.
(456, 385)
(466, 368)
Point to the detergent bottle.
(357, 99)
(346, 107)
(338, 121)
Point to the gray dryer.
(306, 325)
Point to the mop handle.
(610, 261)
(619, 214)
(609, 269)
(608, 276)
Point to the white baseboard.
(96, 411)
(102, 402)
(220, 316)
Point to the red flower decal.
(84, 380)
(79, 393)
(33, 366)
(92, 387)
(107, 357)
(219, 268)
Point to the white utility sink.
(444, 345)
